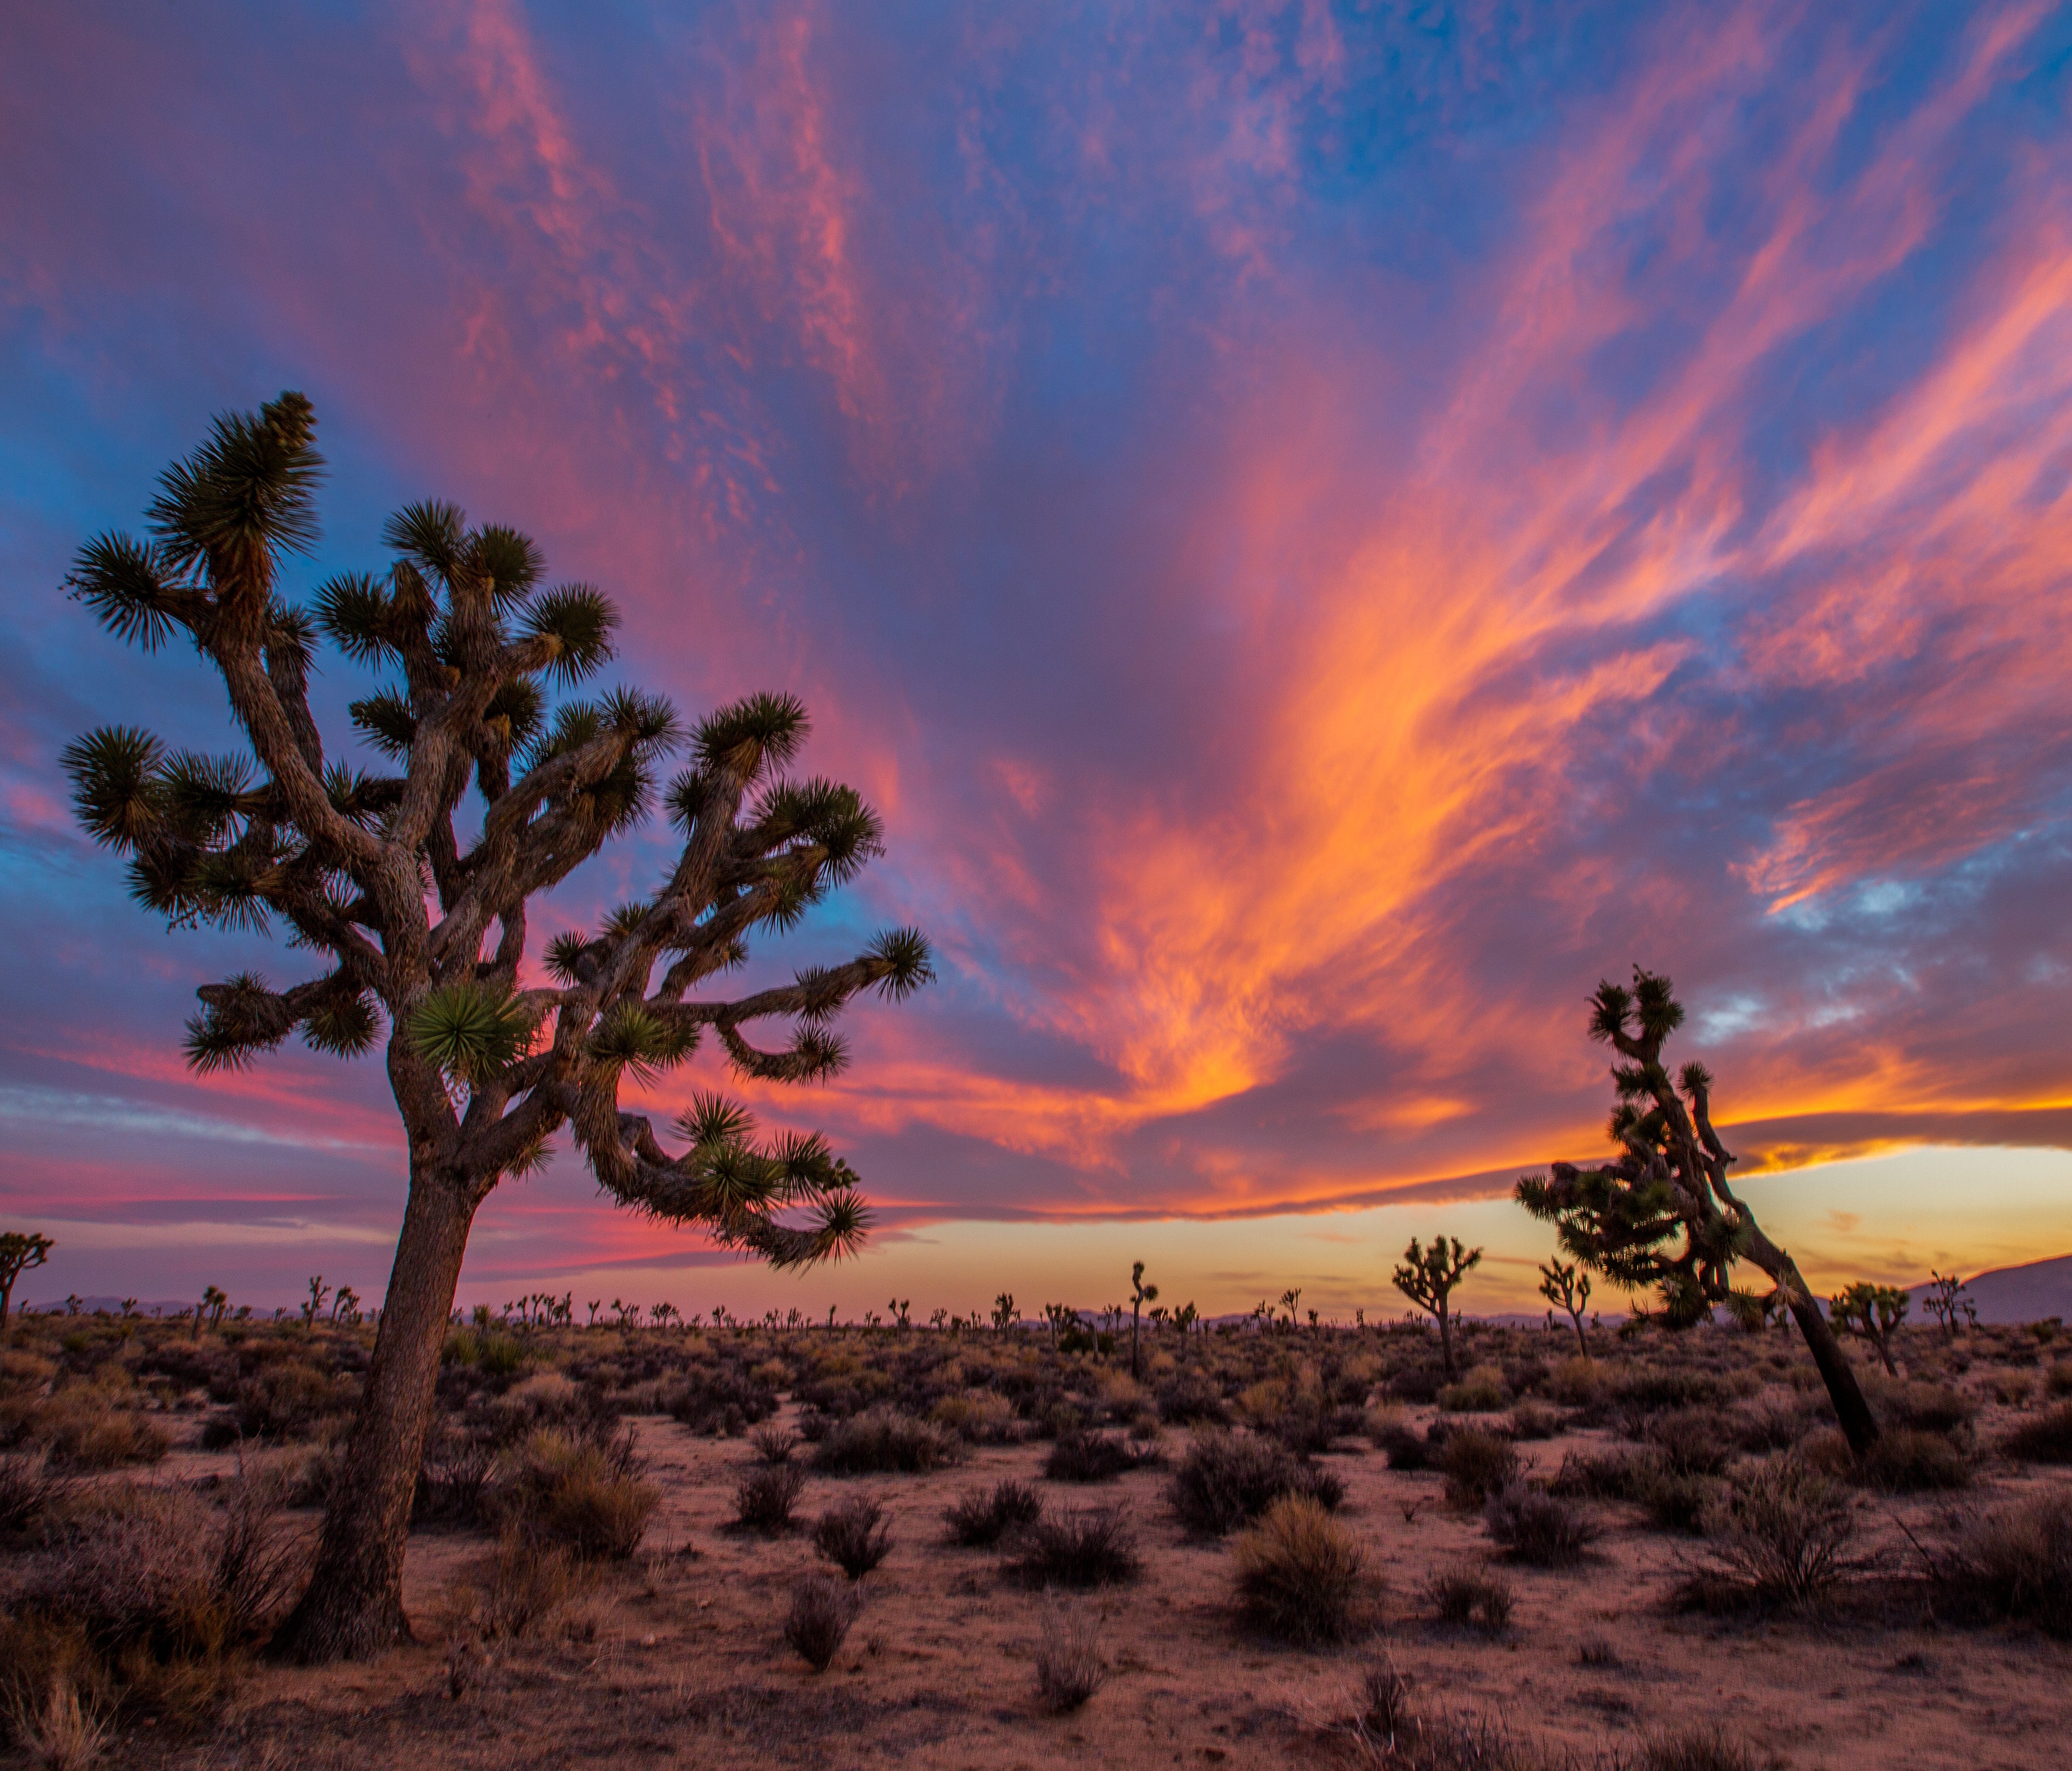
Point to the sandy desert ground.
(676, 1656)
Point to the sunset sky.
(1325, 530)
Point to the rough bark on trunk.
(1446, 1340)
(1859, 1425)
(353, 1607)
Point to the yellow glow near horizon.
(1888, 1218)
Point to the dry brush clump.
(1082, 1456)
(1228, 1479)
(507, 1594)
(588, 1498)
(1471, 1598)
(818, 1618)
(853, 1535)
(1538, 1528)
(979, 1518)
(766, 1497)
(2012, 1564)
(2044, 1438)
(884, 1441)
(1069, 1667)
(1477, 1464)
(1078, 1550)
(1781, 1537)
(1301, 1576)
(147, 1602)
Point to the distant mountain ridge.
(2028, 1294)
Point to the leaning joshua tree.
(1669, 1180)
(1428, 1276)
(409, 885)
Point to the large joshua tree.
(411, 885)
(1625, 1217)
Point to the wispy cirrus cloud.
(1324, 534)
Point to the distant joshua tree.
(1945, 1301)
(415, 903)
(1003, 1312)
(1670, 1181)
(19, 1251)
(1872, 1313)
(1428, 1276)
(1140, 1294)
(1567, 1288)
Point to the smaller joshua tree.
(1428, 1276)
(1872, 1313)
(1003, 1312)
(1945, 1301)
(1623, 1218)
(1140, 1294)
(1567, 1288)
(19, 1251)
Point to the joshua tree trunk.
(354, 1604)
(1446, 1341)
(1859, 1427)
(1136, 1315)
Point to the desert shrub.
(723, 1399)
(1191, 1398)
(774, 1444)
(1537, 1527)
(1079, 1551)
(1094, 1457)
(1703, 1748)
(519, 1585)
(1923, 1407)
(1069, 1668)
(588, 1498)
(1905, 1461)
(1470, 1597)
(1781, 1536)
(1675, 1502)
(1691, 1441)
(1477, 1464)
(1481, 1392)
(1575, 1382)
(82, 1428)
(882, 1440)
(1649, 1390)
(2058, 1380)
(289, 1398)
(1535, 1420)
(1313, 1426)
(1773, 1425)
(27, 1487)
(583, 1413)
(977, 1518)
(1404, 1447)
(766, 1496)
(2014, 1562)
(1301, 1575)
(1600, 1476)
(1226, 1479)
(817, 1620)
(2045, 1439)
(453, 1482)
(853, 1535)
(156, 1596)
(980, 1419)
(62, 1731)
